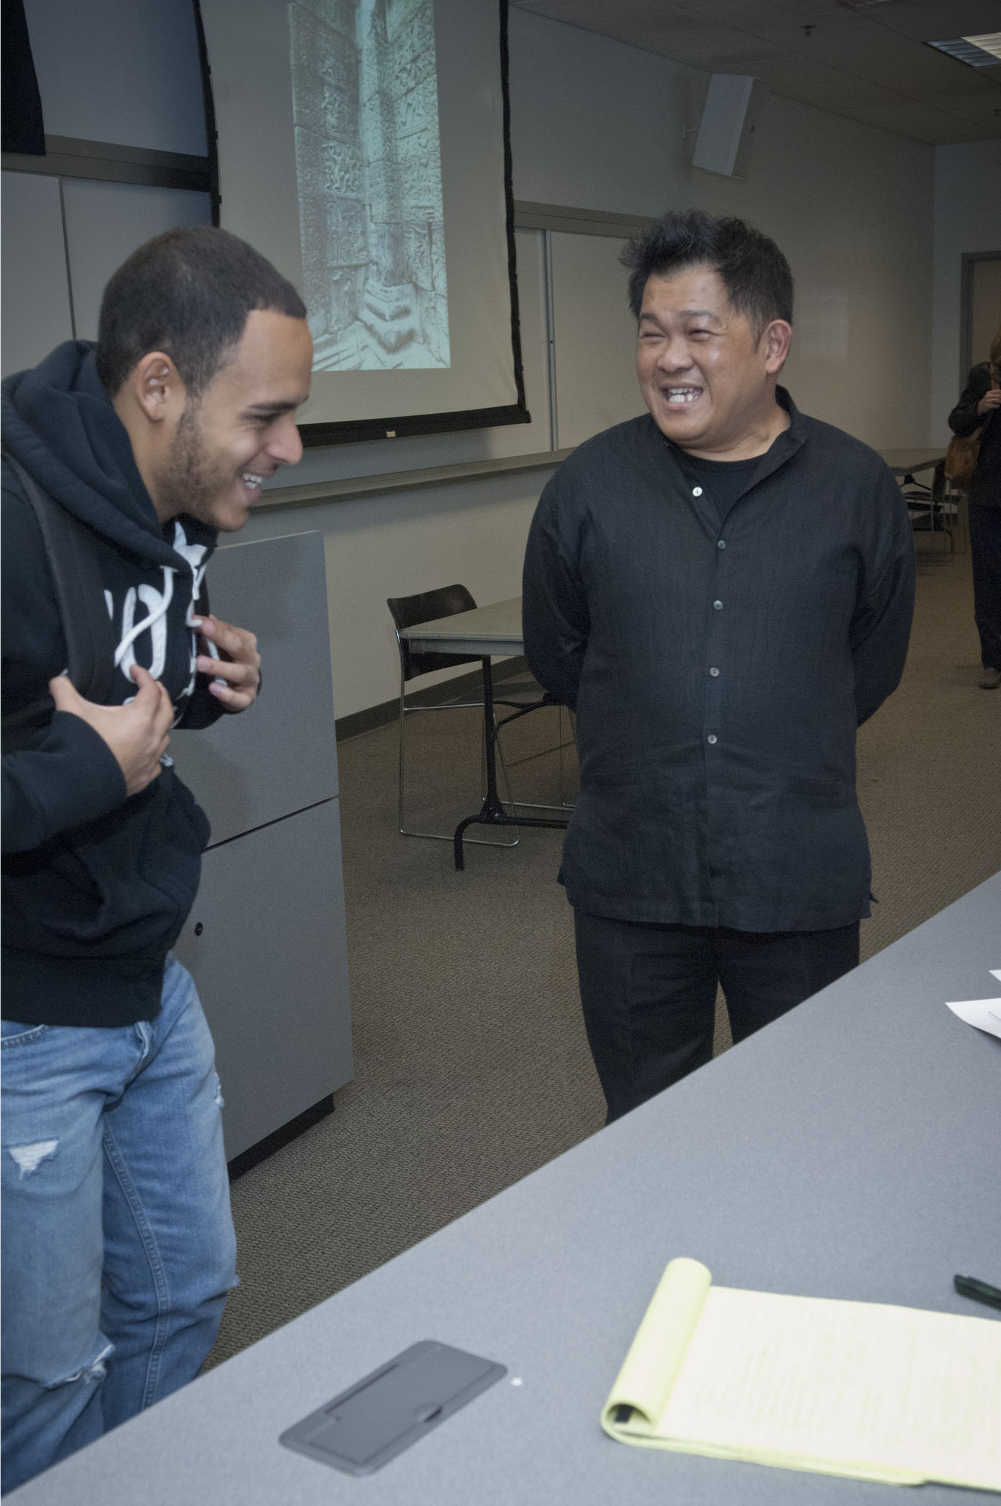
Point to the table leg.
(492, 812)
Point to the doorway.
(980, 308)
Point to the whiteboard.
(36, 299)
(65, 240)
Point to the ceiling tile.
(871, 65)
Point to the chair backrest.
(926, 504)
(938, 485)
(427, 606)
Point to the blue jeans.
(118, 1246)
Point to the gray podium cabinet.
(265, 939)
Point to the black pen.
(969, 1286)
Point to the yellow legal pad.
(843, 1388)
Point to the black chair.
(520, 694)
(930, 508)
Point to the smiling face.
(708, 382)
(224, 445)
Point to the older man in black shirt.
(723, 590)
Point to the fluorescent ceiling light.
(978, 52)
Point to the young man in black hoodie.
(118, 1245)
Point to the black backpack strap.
(72, 556)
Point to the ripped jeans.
(118, 1246)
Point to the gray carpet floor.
(471, 1065)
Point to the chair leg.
(407, 831)
(402, 764)
(507, 798)
(563, 804)
(566, 717)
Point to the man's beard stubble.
(185, 481)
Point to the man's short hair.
(188, 293)
(753, 270)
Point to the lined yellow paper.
(847, 1388)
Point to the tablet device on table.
(378, 1417)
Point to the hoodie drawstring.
(147, 623)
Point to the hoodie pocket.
(119, 886)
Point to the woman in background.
(980, 405)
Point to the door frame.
(969, 258)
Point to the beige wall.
(850, 206)
(598, 125)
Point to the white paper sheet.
(985, 1014)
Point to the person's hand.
(989, 402)
(236, 673)
(137, 733)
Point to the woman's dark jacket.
(985, 488)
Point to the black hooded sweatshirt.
(96, 887)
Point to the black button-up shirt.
(719, 672)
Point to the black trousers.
(649, 993)
(985, 553)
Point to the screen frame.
(400, 426)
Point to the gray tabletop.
(494, 629)
(906, 462)
(848, 1150)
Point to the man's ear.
(156, 388)
(775, 343)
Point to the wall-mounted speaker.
(727, 124)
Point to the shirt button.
(714, 671)
(717, 606)
(712, 739)
(696, 491)
(721, 543)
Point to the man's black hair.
(752, 268)
(188, 293)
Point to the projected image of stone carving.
(368, 165)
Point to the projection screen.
(362, 145)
